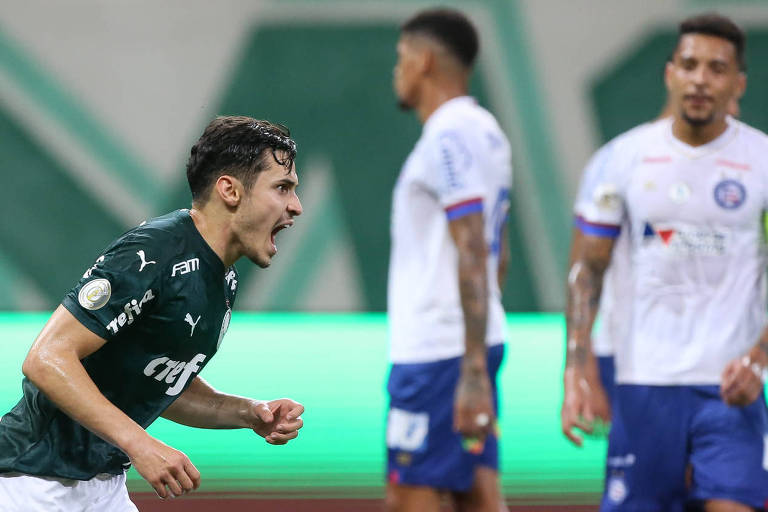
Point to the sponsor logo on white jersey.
(131, 310)
(688, 241)
(185, 267)
(173, 372)
(189, 320)
(94, 294)
(143, 259)
(231, 281)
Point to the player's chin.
(698, 117)
(262, 260)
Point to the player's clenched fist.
(277, 421)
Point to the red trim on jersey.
(733, 165)
(464, 203)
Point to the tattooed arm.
(473, 391)
(583, 398)
(742, 381)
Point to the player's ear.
(668, 70)
(427, 59)
(229, 189)
(741, 86)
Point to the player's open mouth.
(277, 229)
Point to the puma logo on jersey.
(144, 261)
(188, 319)
(185, 267)
(173, 372)
(231, 281)
(130, 310)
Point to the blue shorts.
(658, 430)
(422, 447)
(607, 375)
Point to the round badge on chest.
(730, 194)
(679, 193)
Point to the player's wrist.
(474, 364)
(757, 361)
(131, 441)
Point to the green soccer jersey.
(162, 299)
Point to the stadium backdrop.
(322, 67)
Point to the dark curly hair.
(238, 146)
(714, 24)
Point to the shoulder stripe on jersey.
(596, 229)
(458, 210)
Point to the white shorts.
(26, 493)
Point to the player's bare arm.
(503, 257)
(202, 406)
(53, 365)
(584, 398)
(742, 381)
(473, 411)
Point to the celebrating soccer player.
(128, 343)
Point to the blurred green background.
(335, 364)
(100, 102)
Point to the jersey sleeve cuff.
(596, 229)
(89, 323)
(458, 210)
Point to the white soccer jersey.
(697, 248)
(615, 310)
(461, 164)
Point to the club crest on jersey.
(616, 489)
(94, 294)
(730, 194)
(131, 309)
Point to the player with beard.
(691, 191)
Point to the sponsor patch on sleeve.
(94, 294)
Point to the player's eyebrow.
(291, 182)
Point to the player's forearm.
(62, 378)
(503, 265)
(202, 406)
(473, 289)
(585, 283)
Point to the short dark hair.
(449, 27)
(714, 24)
(239, 146)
